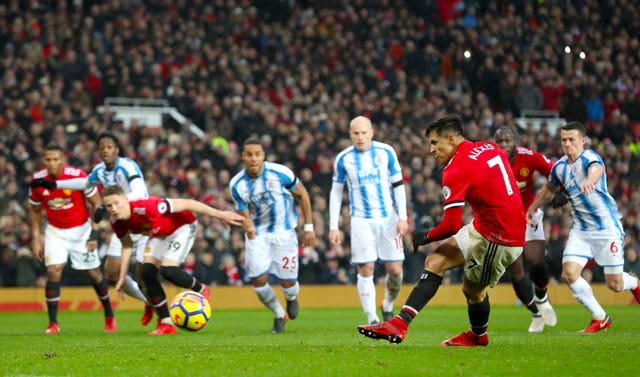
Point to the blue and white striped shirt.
(369, 176)
(124, 171)
(596, 211)
(268, 197)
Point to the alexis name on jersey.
(477, 151)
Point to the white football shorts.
(275, 253)
(535, 232)
(605, 246)
(61, 245)
(376, 239)
(485, 261)
(174, 247)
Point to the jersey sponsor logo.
(446, 191)
(477, 151)
(60, 204)
(140, 211)
(261, 201)
(368, 176)
(272, 185)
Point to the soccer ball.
(190, 310)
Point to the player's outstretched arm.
(544, 196)
(594, 174)
(125, 260)
(228, 217)
(44, 183)
(71, 184)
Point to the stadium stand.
(294, 73)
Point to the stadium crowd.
(294, 73)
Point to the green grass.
(321, 342)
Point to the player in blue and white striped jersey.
(596, 230)
(378, 212)
(264, 194)
(124, 172)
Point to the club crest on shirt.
(272, 185)
(446, 191)
(524, 172)
(574, 168)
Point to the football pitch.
(320, 342)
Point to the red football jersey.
(65, 208)
(479, 174)
(525, 163)
(152, 216)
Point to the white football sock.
(393, 285)
(584, 294)
(267, 295)
(367, 292)
(291, 293)
(628, 282)
(132, 289)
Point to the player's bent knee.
(439, 264)
(149, 273)
(615, 285)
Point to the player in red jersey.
(479, 174)
(67, 235)
(524, 163)
(171, 227)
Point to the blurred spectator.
(28, 271)
(528, 96)
(631, 261)
(594, 107)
